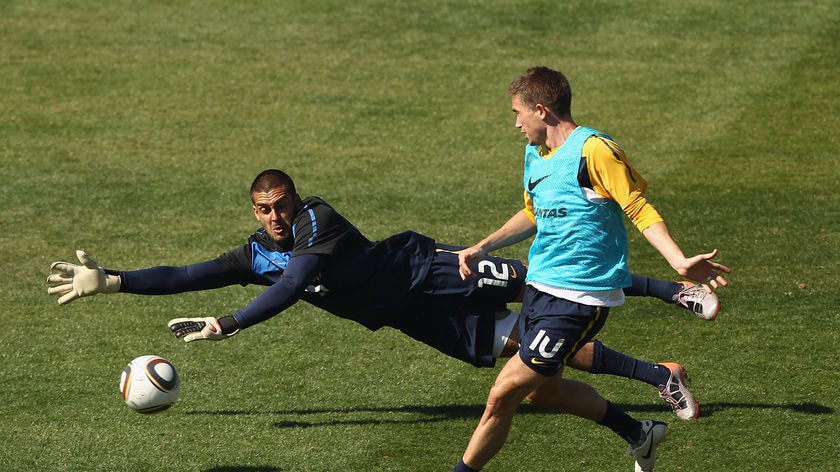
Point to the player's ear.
(298, 201)
(256, 215)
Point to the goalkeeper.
(305, 250)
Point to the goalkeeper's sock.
(607, 361)
(461, 467)
(647, 287)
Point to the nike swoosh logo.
(532, 184)
(536, 361)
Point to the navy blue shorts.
(459, 327)
(552, 330)
(498, 279)
(457, 317)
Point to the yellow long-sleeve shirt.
(613, 178)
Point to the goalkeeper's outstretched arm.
(71, 281)
(299, 274)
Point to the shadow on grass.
(711, 408)
(414, 414)
(244, 468)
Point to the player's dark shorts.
(459, 327)
(457, 317)
(497, 279)
(552, 330)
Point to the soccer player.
(577, 184)
(306, 250)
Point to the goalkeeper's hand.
(196, 329)
(75, 281)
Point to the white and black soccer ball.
(150, 384)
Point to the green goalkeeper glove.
(196, 329)
(75, 281)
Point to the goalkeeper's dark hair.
(541, 85)
(270, 179)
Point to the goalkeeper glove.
(195, 329)
(75, 281)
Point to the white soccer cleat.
(697, 300)
(645, 452)
(676, 393)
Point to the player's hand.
(468, 256)
(196, 329)
(73, 281)
(702, 269)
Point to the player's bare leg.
(513, 384)
(570, 396)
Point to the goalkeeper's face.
(276, 210)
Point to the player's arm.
(699, 268)
(613, 177)
(300, 272)
(518, 228)
(167, 280)
(71, 281)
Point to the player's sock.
(607, 361)
(461, 467)
(621, 423)
(647, 287)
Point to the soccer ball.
(149, 384)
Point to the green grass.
(133, 129)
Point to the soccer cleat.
(654, 432)
(697, 300)
(676, 393)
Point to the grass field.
(133, 129)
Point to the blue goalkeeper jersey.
(365, 281)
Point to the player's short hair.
(541, 85)
(271, 179)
